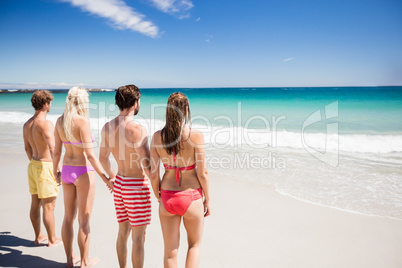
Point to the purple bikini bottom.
(70, 173)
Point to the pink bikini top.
(178, 169)
(79, 142)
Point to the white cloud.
(119, 14)
(173, 6)
(288, 59)
(208, 38)
(198, 19)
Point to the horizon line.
(105, 89)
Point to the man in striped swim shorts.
(127, 141)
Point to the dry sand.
(251, 226)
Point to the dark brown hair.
(127, 96)
(177, 114)
(40, 98)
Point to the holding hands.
(109, 182)
(57, 175)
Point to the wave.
(225, 137)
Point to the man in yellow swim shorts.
(39, 145)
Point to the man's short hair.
(40, 98)
(127, 96)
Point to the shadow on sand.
(10, 257)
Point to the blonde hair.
(77, 102)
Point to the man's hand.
(57, 175)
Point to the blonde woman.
(183, 193)
(78, 173)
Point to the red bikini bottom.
(177, 202)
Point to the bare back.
(186, 157)
(75, 152)
(38, 138)
(128, 143)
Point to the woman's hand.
(207, 210)
(109, 182)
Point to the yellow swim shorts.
(41, 179)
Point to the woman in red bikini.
(183, 192)
(78, 172)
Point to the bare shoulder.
(45, 125)
(79, 119)
(196, 136)
(137, 131)
(48, 124)
(157, 135)
(106, 127)
(136, 128)
(28, 123)
(59, 121)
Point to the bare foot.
(89, 262)
(74, 261)
(40, 239)
(56, 242)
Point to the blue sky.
(200, 43)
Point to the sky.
(200, 43)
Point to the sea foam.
(226, 137)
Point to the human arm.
(104, 153)
(86, 138)
(48, 136)
(155, 163)
(202, 172)
(142, 148)
(27, 146)
(58, 145)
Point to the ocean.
(337, 147)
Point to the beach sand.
(251, 226)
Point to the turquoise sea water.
(362, 110)
(338, 147)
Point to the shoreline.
(265, 177)
(336, 208)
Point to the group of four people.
(183, 192)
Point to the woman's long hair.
(177, 115)
(77, 102)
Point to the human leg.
(121, 243)
(194, 223)
(138, 236)
(48, 205)
(85, 197)
(170, 225)
(70, 213)
(34, 214)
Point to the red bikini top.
(178, 169)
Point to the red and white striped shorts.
(132, 200)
